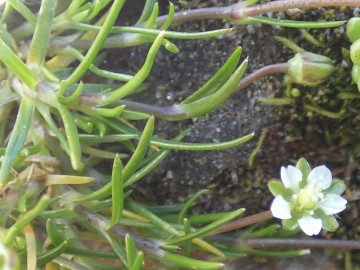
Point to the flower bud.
(310, 69)
(355, 52)
(353, 29)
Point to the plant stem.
(215, 13)
(240, 11)
(243, 222)
(262, 72)
(302, 243)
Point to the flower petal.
(311, 226)
(280, 208)
(320, 177)
(332, 204)
(291, 177)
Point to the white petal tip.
(333, 204)
(309, 225)
(280, 208)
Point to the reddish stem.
(262, 72)
(243, 222)
(241, 12)
(238, 12)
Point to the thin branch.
(302, 243)
(239, 11)
(243, 222)
(215, 13)
(242, 12)
(262, 72)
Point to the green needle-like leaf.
(45, 112)
(114, 112)
(132, 164)
(53, 232)
(131, 250)
(72, 137)
(16, 66)
(17, 138)
(140, 76)
(138, 262)
(40, 40)
(189, 203)
(200, 146)
(191, 263)
(169, 18)
(140, 150)
(53, 253)
(148, 7)
(277, 254)
(158, 157)
(5, 36)
(117, 191)
(151, 21)
(176, 145)
(207, 228)
(24, 11)
(24, 220)
(98, 42)
(209, 103)
(117, 41)
(218, 79)
(154, 219)
(74, 96)
(187, 244)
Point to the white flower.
(307, 198)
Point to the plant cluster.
(60, 209)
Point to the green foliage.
(59, 208)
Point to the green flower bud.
(353, 29)
(355, 52)
(310, 69)
(355, 73)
